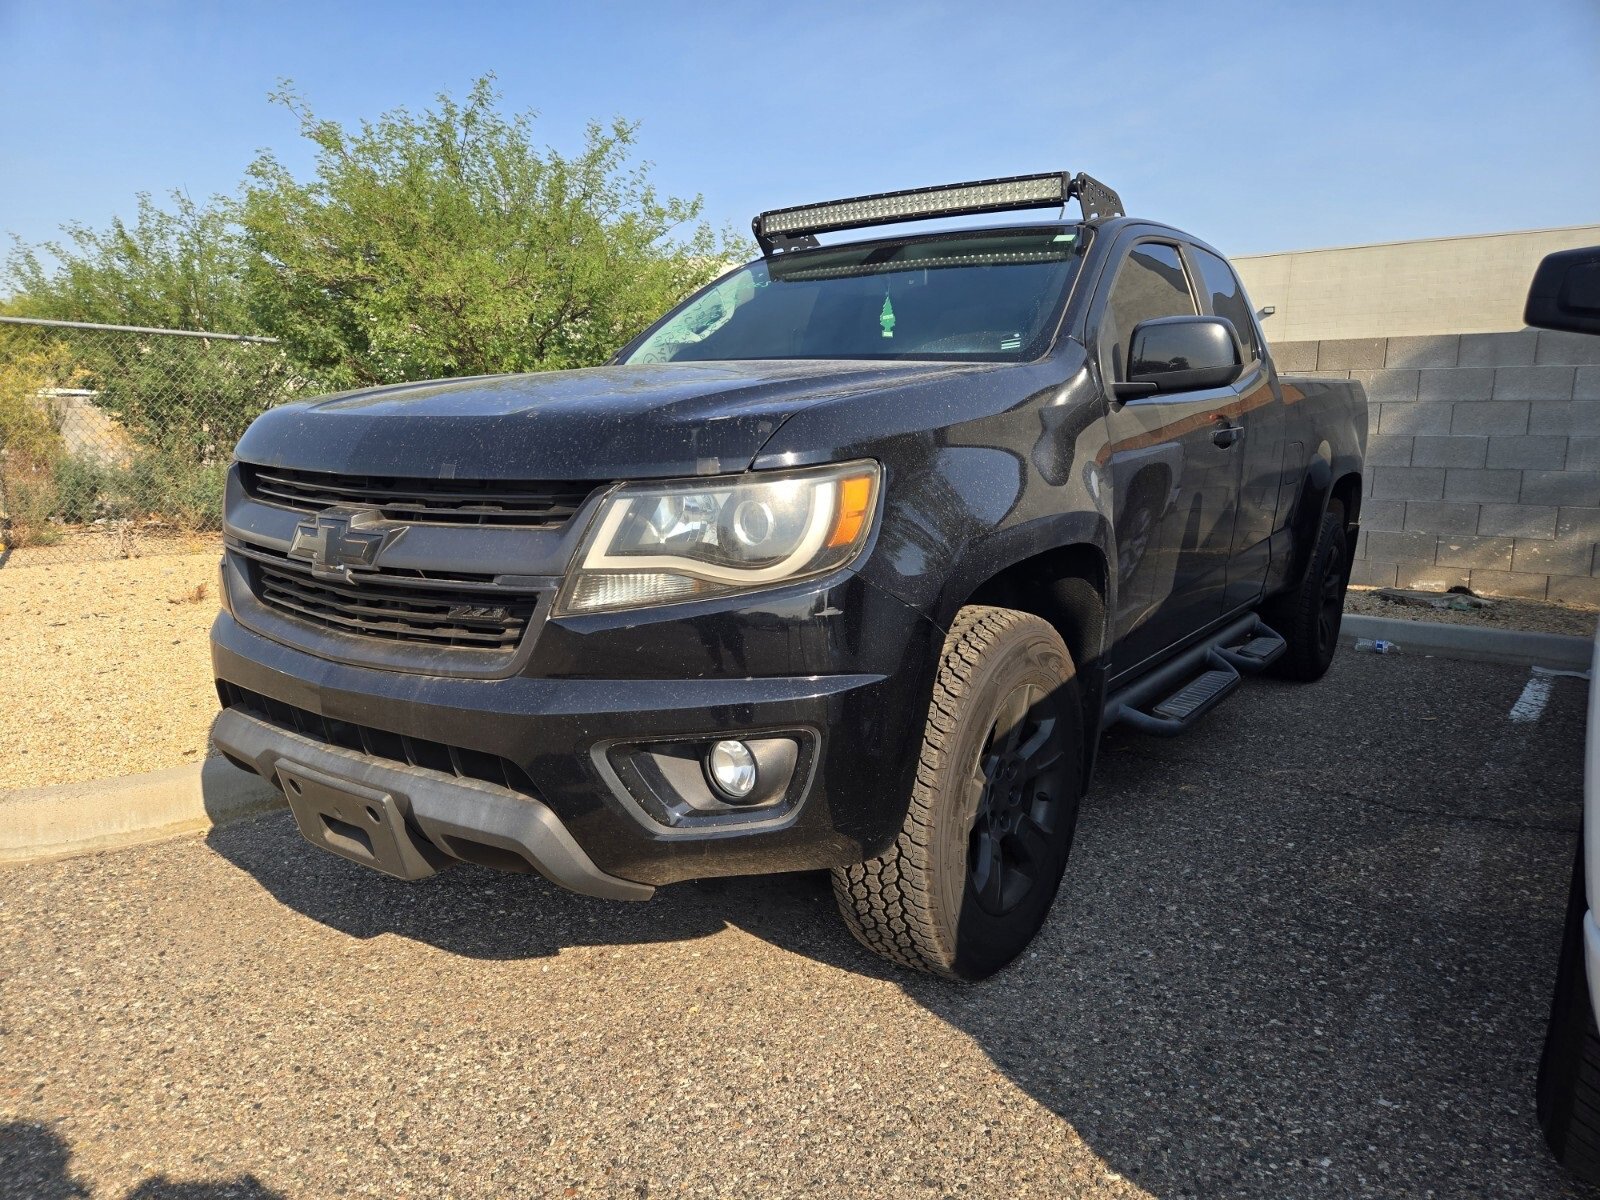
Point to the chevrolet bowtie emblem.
(337, 540)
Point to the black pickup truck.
(844, 563)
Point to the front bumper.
(405, 821)
(557, 802)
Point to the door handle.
(1227, 435)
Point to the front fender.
(979, 563)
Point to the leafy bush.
(28, 431)
(31, 501)
(177, 269)
(30, 443)
(173, 488)
(79, 485)
(156, 486)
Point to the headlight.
(696, 538)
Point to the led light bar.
(787, 228)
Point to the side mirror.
(1565, 293)
(1182, 354)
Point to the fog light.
(732, 769)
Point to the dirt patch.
(105, 667)
(1531, 616)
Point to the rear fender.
(1310, 504)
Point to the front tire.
(979, 858)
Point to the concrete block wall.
(1483, 459)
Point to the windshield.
(983, 296)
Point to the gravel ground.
(1306, 951)
(1533, 616)
(105, 668)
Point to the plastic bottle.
(1376, 646)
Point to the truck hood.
(624, 422)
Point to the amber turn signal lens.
(855, 502)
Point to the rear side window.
(1150, 284)
(1228, 299)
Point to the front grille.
(422, 501)
(416, 752)
(403, 607)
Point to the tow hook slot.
(356, 842)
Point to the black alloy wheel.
(1309, 615)
(1021, 792)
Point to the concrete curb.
(37, 824)
(1472, 642)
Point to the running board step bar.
(1198, 696)
(1177, 694)
(1260, 652)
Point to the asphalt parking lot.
(1306, 951)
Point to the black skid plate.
(356, 822)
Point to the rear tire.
(1309, 616)
(1568, 1092)
(979, 858)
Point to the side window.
(1227, 299)
(1150, 283)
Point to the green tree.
(172, 268)
(447, 243)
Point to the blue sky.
(1258, 126)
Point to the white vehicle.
(1565, 295)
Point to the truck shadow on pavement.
(36, 1163)
(1269, 971)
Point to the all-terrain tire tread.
(885, 901)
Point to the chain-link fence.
(114, 440)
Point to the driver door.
(1175, 477)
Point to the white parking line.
(1535, 695)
